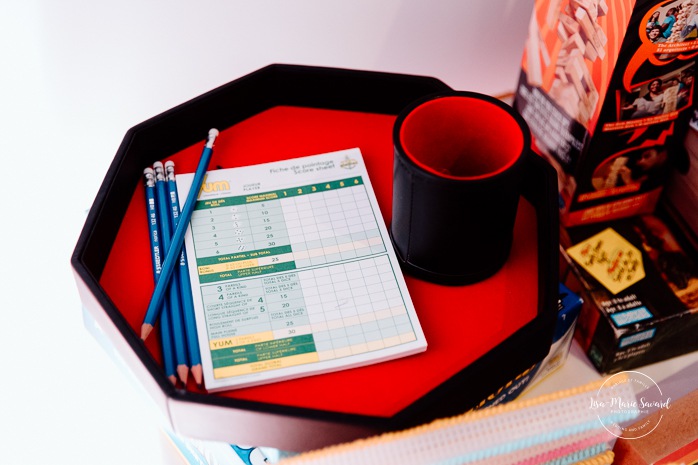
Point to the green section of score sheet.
(279, 194)
(262, 351)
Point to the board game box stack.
(606, 87)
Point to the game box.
(479, 336)
(607, 87)
(639, 280)
(680, 197)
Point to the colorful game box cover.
(606, 87)
(639, 280)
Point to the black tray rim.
(315, 87)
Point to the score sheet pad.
(293, 272)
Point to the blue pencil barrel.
(156, 255)
(172, 256)
(183, 273)
(174, 292)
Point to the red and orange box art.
(607, 89)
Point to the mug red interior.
(461, 137)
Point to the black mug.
(458, 167)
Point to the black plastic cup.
(458, 167)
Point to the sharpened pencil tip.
(183, 372)
(145, 330)
(197, 373)
(173, 379)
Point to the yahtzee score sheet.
(293, 273)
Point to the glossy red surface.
(461, 323)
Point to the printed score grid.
(297, 280)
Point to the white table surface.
(76, 75)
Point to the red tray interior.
(460, 323)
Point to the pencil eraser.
(148, 170)
(169, 163)
(157, 164)
(213, 132)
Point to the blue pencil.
(167, 344)
(184, 283)
(172, 257)
(176, 319)
(165, 329)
